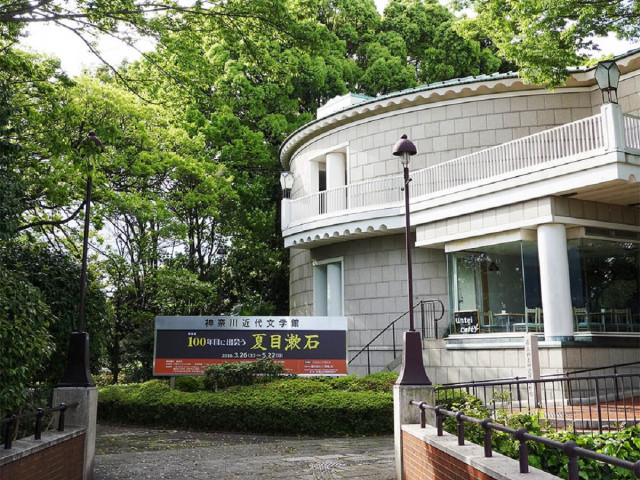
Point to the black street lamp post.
(77, 372)
(412, 371)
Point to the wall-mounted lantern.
(286, 181)
(607, 75)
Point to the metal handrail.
(11, 421)
(566, 373)
(570, 448)
(593, 369)
(391, 326)
(564, 399)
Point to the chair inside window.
(621, 320)
(532, 321)
(486, 322)
(583, 321)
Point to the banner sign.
(185, 345)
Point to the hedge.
(292, 407)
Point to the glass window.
(328, 288)
(499, 281)
(605, 275)
(505, 279)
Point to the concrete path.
(124, 453)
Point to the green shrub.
(624, 444)
(285, 406)
(376, 382)
(189, 384)
(224, 375)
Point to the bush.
(376, 382)
(189, 384)
(284, 406)
(624, 444)
(227, 374)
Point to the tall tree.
(544, 37)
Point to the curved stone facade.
(446, 121)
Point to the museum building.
(525, 218)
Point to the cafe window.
(605, 277)
(500, 282)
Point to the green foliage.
(624, 444)
(229, 374)
(25, 343)
(544, 37)
(376, 382)
(191, 133)
(189, 384)
(55, 276)
(286, 406)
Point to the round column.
(336, 177)
(336, 169)
(554, 282)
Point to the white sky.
(75, 55)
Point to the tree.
(544, 37)
(24, 339)
(127, 20)
(53, 277)
(190, 168)
(434, 45)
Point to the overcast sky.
(75, 55)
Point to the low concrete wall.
(56, 456)
(488, 357)
(429, 457)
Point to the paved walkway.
(124, 453)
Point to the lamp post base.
(412, 371)
(77, 372)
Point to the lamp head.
(608, 75)
(286, 182)
(404, 148)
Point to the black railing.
(428, 327)
(614, 368)
(580, 404)
(11, 422)
(570, 448)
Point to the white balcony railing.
(538, 151)
(632, 131)
(510, 158)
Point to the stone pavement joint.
(128, 453)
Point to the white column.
(336, 178)
(336, 169)
(613, 126)
(554, 282)
(285, 213)
(334, 289)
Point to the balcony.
(594, 159)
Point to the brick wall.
(426, 462)
(62, 460)
(425, 456)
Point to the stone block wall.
(446, 129)
(375, 288)
(490, 359)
